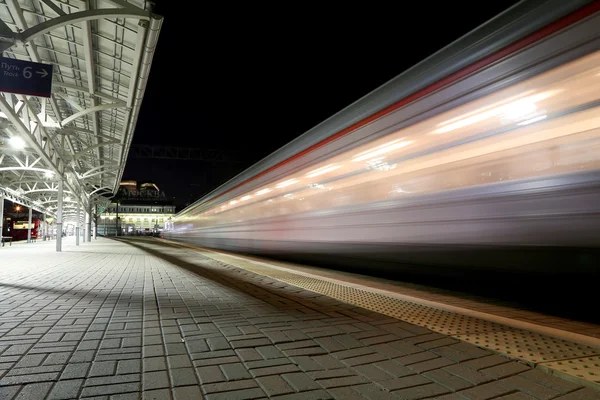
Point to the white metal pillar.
(59, 216)
(77, 230)
(1, 212)
(88, 219)
(43, 226)
(29, 225)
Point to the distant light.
(48, 174)
(532, 120)
(263, 191)
(17, 142)
(513, 111)
(383, 149)
(322, 170)
(67, 198)
(287, 183)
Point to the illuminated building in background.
(139, 208)
(128, 186)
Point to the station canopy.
(100, 53)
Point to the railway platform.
(148, 318)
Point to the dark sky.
(251, 79)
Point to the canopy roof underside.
(100, 52)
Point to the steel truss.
(101, 52)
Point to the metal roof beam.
(88, 173)
(145, 47)
(99, 93)
(91, 80)
(54, 7)
(5, 30)
(17, 13)
(101, 189)
(101, 107)
(54, 162)
(6, 108)
(46, 190)
(73, 102)
(123, 4)
(113, 142)
(84, 90)
(81, 16)
(15, 197)
(75, 131)
(108, 170)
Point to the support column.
(117, 220)
(77, 230)
(1, 213)
(59, 216)
(88, 218)
(29, 226)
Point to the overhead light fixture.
(48, 174)
(67, 198)
(17, 142)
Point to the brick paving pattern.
(145, 319)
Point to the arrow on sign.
(42, 72)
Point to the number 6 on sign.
(27, 72)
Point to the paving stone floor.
(141, 318)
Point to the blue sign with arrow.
(25, 77)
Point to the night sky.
(249, 80)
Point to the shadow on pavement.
(225, 277)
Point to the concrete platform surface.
(141, 318)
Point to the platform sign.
(25, 77)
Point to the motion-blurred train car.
(20, 227)
(484, 155)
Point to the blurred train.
(484, 155)
(20, 227)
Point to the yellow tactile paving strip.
(570, 360)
